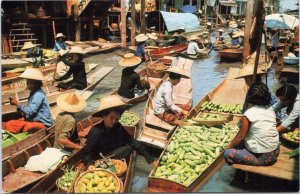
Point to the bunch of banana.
(222, 107)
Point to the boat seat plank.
(154, 137)
(155, 121)
(285, 168)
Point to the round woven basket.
(138, 120)
(292, 142)
(108, 174)
(120, 166)
(60, 187)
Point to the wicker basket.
(116, 180)
(60, 187)
(120, 166)
(138, 120)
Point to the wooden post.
(143, 19)
(91, 29)
(248, 24)
(123, 25)
(260, 23)
(78, 30)
(53, 28)
(133, 22)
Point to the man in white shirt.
(164, 106)
(193, 48)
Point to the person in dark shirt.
(130, 79)
(77, 69)
(35, 52)
(109, 137)
(141, 43)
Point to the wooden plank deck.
(285, 168)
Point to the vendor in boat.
(178, 39)
(274, 40)
(73, 59)
(193, 48)
(257, 142)
(152, 39)
(37, 114)
(130, 79)
(220, 37)
(109, 137)
(164, 107)
(141, 43)
(289, 98)
(60, 43)
(35, 52)
(235, 39)
(66, 134)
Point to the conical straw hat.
(141, 38)
(76, 50)
(71, 102)
(130, 60)
(247, 70)
(178, 70)
(235, 35)
(58, 35)
(153, 36)
(33, 73)
(220, 30)
(111, 101)
(193, 37)
(28, 45)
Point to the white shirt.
(193, 48)
(164, 99)
(263, 136)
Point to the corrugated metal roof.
(177, 21)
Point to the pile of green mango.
(292, 135)
(222, 107)
(191, 150)
(66, 180)
(96, 182)
(129, 118)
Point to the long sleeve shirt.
(140, 50)
(101, 139)
(235, 41)
(59, 45)
(77, 69)
(38, 109)
(164, 99)
(193, 48)
(130, 79)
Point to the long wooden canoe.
(167, 51)
(232, 54)
(155, 131)
(156, 184)
(47, 184)
(201, 55)
(95, 47)
(264, 62)
(93, 79)
(14, 175)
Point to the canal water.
(206, 74)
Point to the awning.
(228, 3)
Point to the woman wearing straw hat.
(73, 58)
(66, 134)
(37, 114)
(235, 39)
(60, 43)
(130, 79)
(220, 37)
(164, 107)
(152, 39)
(109, 137)
(34, 51)
(140, 50)
(193, 48)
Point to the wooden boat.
(21, 62)
(47, 184)
(156, 184)
(95, 47)
(155, 131)
(167, 51)
(201, 55)
(15, 177)
(264, 63)
(232, 54)
(93, 79)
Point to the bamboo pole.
(248, 24)
(133, 21)
(143, 22)
(123, 26)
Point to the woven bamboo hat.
(76, 50)
(129, 60)
(141, 38)
(247, 70)
(176, 34)
(29, 45)
(60, 35)
(33, 73)
(71, 102)
(235, 35)
(111, 101)
(153, 36)
(193, 37)
(178, 70)
(220, 30)
(208, 23)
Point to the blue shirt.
(235, 41)
(59, 45)
(38, 109)
(294, 113)
(140, 50)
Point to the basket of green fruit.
(129, 118)
(211, 119)
(64, 183)
(292, 137)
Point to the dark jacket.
(129, 80)
(101, 139)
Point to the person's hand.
(155, 163)
(185, 113)
(91, 168)
(146, 58)
(13, 101)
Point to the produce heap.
(292, 135)
(65, 181)
(222, 107)
(209, 117)
(129, 118)
(5, 135)
(191, 150)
